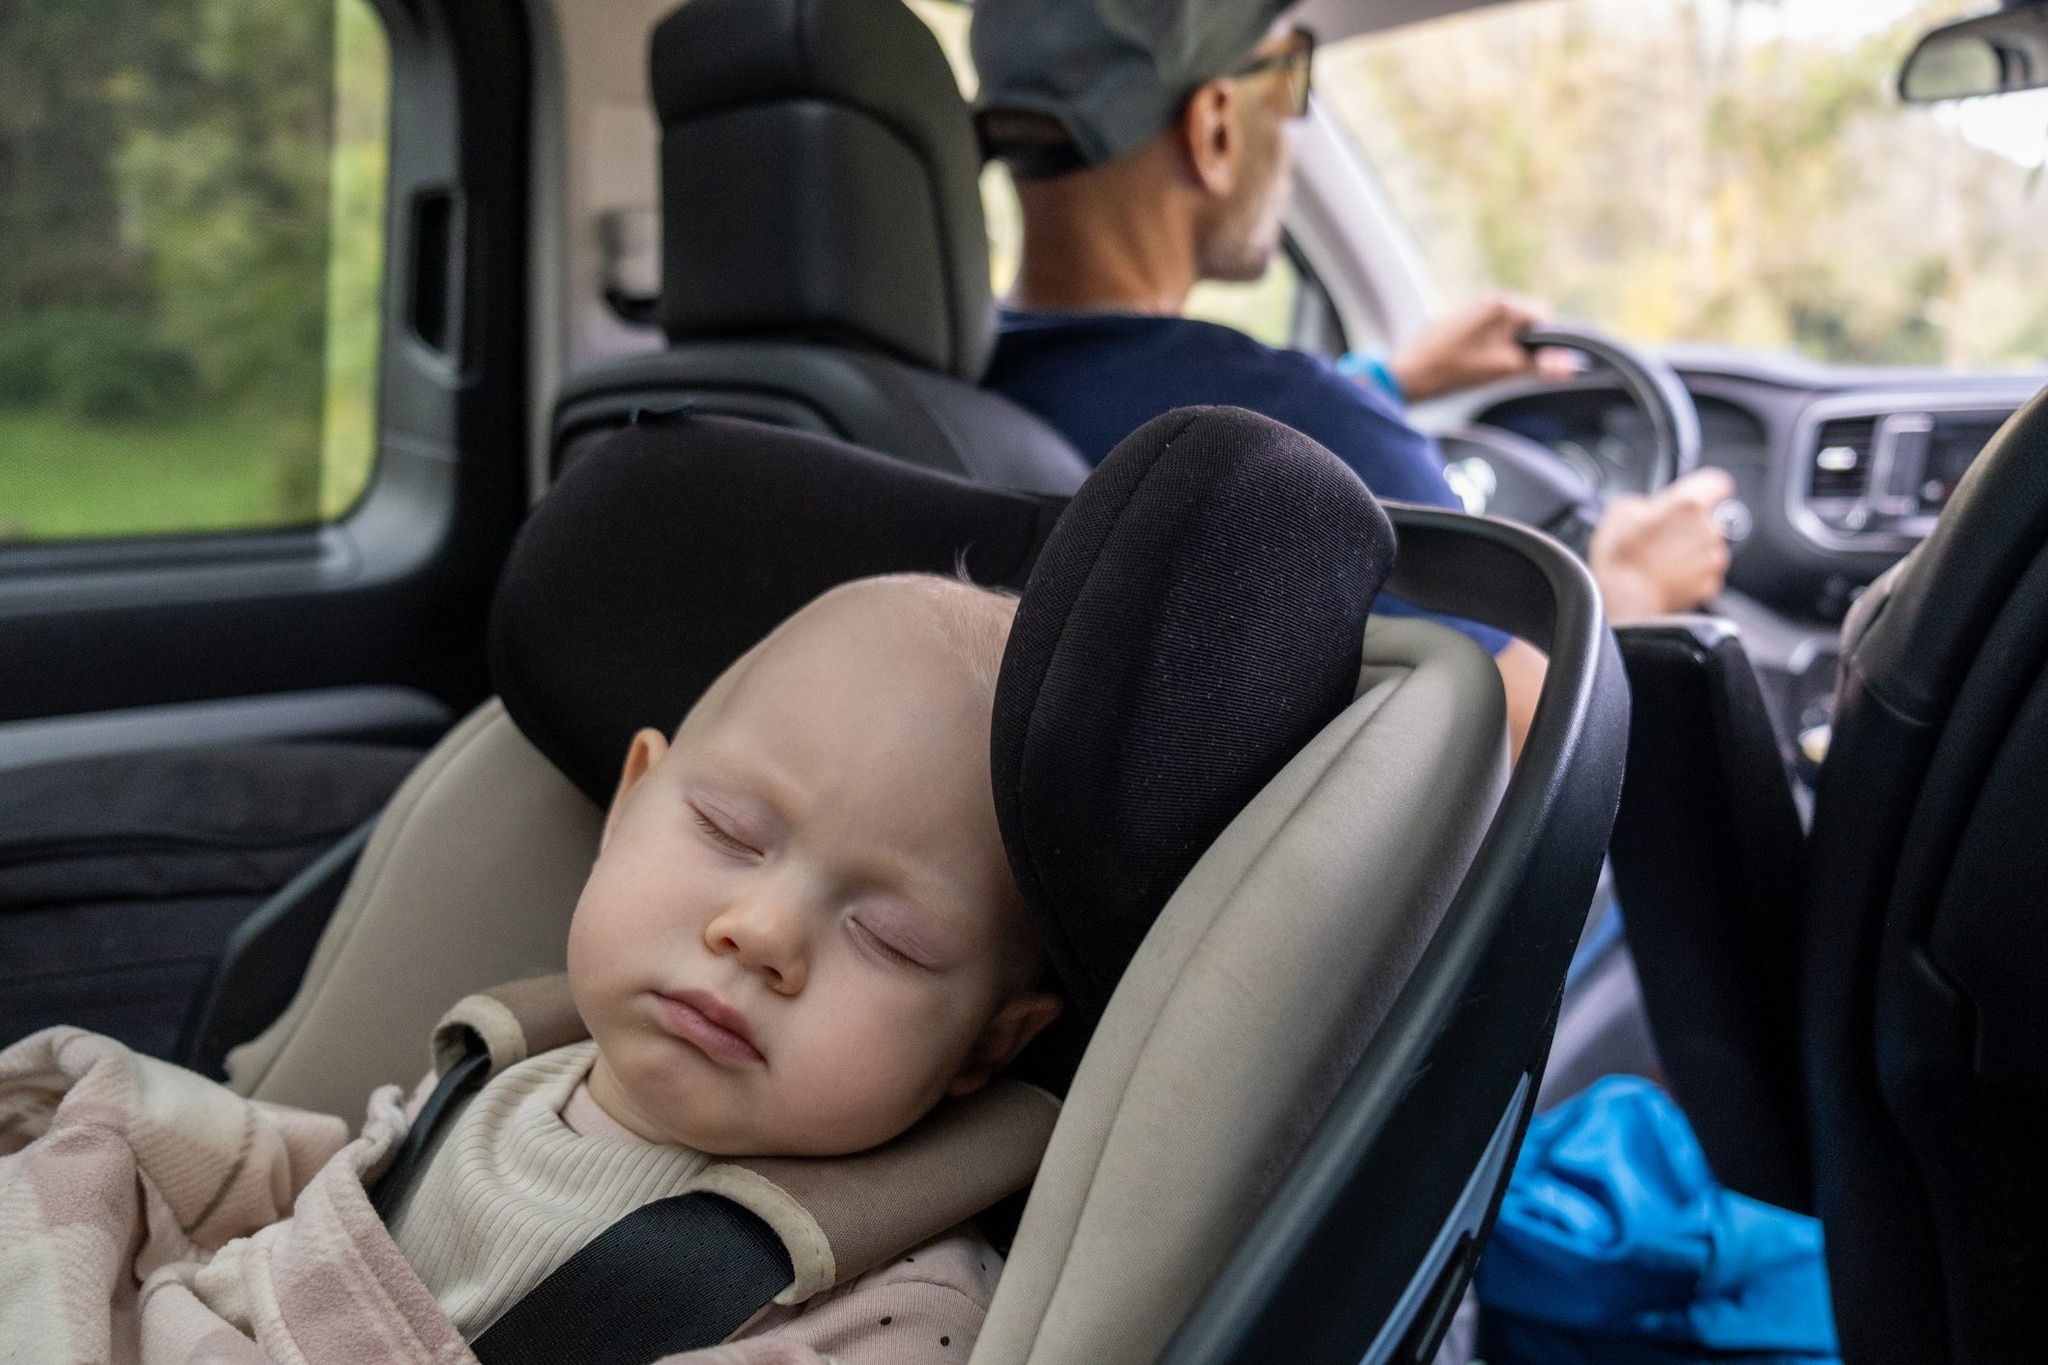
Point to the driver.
(1147, 144)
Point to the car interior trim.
(1458, 1240)
(1886, 409)
(328, 713)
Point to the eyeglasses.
(1294, 60)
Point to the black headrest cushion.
(671, 549)
(820, 180)
(1196, 617)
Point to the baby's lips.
(710, 1025)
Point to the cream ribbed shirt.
(515, 1190)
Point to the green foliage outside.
(191, 245)
(1705, 170)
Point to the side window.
(1287, 306)
(192, 219)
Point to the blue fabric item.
(1366, 365)
(1505, 1340)
(1613, 1226)
(1097, 377)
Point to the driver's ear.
(1208, 138)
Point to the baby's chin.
(671, 1095)
(708, 1135)
(743, 1131)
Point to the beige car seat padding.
(469, 881)
(1245, 1008)
(1248, 1003)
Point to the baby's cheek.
(871, 1071)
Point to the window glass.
(1736, 172)
(191, 263)
(1266, 308)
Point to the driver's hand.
(1664, 553)
(1475, 345)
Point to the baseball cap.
(1072, 83)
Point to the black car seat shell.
(824, 258)
(1710, 864)
(1382, 924)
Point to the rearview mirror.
(1993, 54)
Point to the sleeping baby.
(801, 934)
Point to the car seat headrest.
(820, 181)
(674, 547)
(1195, 618)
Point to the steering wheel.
(1511, 476)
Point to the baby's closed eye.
(718, 833)
(893, 932)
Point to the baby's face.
(802, 931)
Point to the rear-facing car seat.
(1300, 1106)
(824, 259)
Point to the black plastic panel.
(1350, 1255)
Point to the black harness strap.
(675, 1275)
(454, 1089)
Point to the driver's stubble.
(1241, 235)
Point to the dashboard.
(1839, 473)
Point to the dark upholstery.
(1914, 928)
(121, 878)
(673, 547)
(911, 414)
(1195, 619)
(819, 180)
(825, 264)
(1923, 1019)
(1710, 860)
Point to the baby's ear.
(1023, 1017)
(646, 750)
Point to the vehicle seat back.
(1709, 863)
(1925, 1027)
(824, 258)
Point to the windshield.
(1724, 171)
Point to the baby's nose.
(765, 936)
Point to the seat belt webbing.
(455, 1088)
(678, 1274)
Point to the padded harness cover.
(839, 1217)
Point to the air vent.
(1841, 457)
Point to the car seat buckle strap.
(675, 1275)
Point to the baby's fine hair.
(970, 620)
